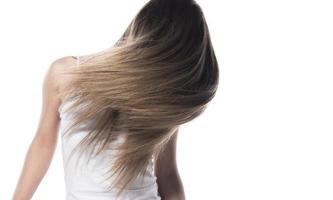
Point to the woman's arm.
(42, 147)
(169, 182)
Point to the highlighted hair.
(160, 74)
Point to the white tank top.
(86, 181)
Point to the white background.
(266, 135)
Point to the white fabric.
(85, 181)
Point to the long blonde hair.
(160, 74)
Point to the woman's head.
(160, 74)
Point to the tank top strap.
(77, 60)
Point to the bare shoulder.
(64, 60)
(59, 65)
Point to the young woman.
(122, 108)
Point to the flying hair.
(160, 74)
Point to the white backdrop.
(266, 135)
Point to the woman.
(122, 108)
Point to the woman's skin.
(169, 182)
(43, 145)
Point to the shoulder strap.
(77, 60)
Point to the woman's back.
(160, 74)
(87, 180)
